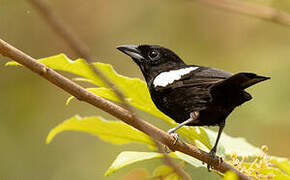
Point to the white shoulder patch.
(166, 78)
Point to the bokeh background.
(30, 106)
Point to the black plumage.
(191, 95)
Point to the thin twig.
(84, 95)
(75, 42)
(168, 160)
(249, 9)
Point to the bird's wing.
(193, 89)
(202, 77)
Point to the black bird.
(191, 95)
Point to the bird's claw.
(175, 136)
(212, 158)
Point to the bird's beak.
(132, 51)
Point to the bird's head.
(152, 59)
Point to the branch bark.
(249, 9)
(83, 95)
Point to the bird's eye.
(153, 55)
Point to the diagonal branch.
(169, 161)
(249, 9)
(75, 42)
(83, 95)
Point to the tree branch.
(75, 43)
(249, 9)
(83, 95)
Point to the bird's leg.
(213, 150)
(193, 116)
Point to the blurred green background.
(30, 106)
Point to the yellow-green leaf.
(189, 159)
(106, 93)
(167, 173)
(273, 173)
(115, 132)
(146, 106)
(231, 145)
(63, 63)
(197, 135)
(130, 157)
(284, 165)
(230, 175)
(162, 171)
(173, 176)
(205, 139)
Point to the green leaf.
(282, 164)
(103, 92)
(173, 176)
(63, 63)
(166, 172)
(130, 157)
(205, 139)
(115, 132)
(230, 175)
(197, 135)
(274, 172)
(106, 93)
(162, 171)
(146, 106)
(190, 160)
(236, 145)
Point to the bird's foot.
(175, 136)
(212, 158)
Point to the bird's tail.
(240, 81)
